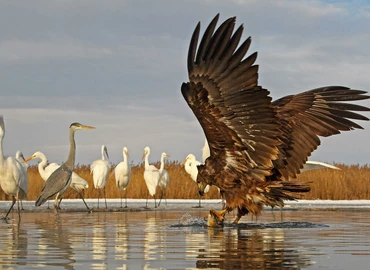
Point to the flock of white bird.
(14, 181)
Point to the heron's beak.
(201, 188)
(182, 163)
(28, 159)
(87, 127)
(106, 152)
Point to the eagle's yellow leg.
(236, 220)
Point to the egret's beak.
(201, 188)
(127, 154)
(87, 127)
(28, 159)
(167, 155)
(143, 156)
(182, 163)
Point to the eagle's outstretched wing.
(319, 112)
(235, 113)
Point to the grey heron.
(60, 180)
(46, 170)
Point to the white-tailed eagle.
(257, 145)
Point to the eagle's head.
(204, 178)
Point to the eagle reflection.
(250, 249)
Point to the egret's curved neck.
(147, 159)
(102, 153)
(41, 167)
(72, 150)
(43, 163)
(125, 159)
(162, 163)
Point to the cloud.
(54, 49)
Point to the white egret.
(60, 180)
(45, 170)
(100, 169)
(13, 180)
(191, 164)
(164, 179)
(122, 173)
(151, 176)
(19, 156)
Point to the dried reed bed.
(349, 183)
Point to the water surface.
(170, 239)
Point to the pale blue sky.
(119, 65)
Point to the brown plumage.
(257, 146)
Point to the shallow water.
(171, 239)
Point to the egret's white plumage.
(100, 169)
(19, 156)
(164, 178)
(45, 170)
(191, 164)
(151, 176)
(122, 173)
(13, 179)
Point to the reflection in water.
(13, 248)
(122, 239)
(249, 249)
(145, 240)
(99, 243)
(53, 242)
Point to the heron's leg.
(48, 205)
(82, 197)
(6, 216)
(146, 204)
(60, 201)
(155, 201)
(19, 211)
(125, 198)
(120, 192)
(160, 199)
(56, 204)
(165, 195)
(98, 196)
(199, 204)
(105, 198)
(22, 205)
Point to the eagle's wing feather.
(305, 116)
(234, 112)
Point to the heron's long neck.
(72, 150)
